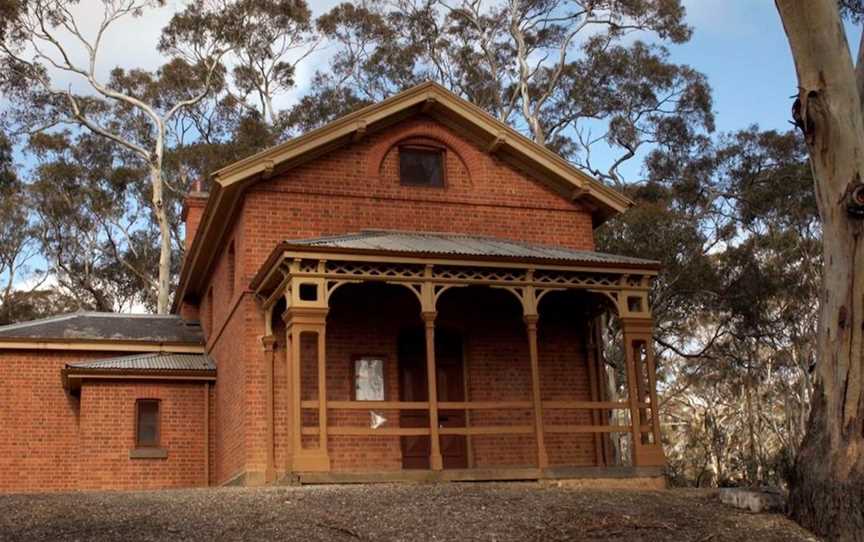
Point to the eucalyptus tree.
(560, 70)
(39, 47)
(85, 195)
(18, 246)
(733, 220)
(268, 39)
(828, 484)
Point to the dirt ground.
(455, 511)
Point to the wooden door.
(413, 387)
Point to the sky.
(738, 44)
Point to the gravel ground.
(467, 511)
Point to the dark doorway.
(413, 387)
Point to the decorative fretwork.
(635, 281)
(340, 271)
(477, 274)
(626, 290)
(373, 269)
(308, 266)
(577, 280)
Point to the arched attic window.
(422, 164)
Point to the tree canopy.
(732, 217)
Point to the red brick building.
(409, 292)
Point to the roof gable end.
(428, 98)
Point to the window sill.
(148, 453)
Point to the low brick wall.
(108, 436)
(51, 440)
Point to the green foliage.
(267, 39)
(23, 306)
(852, 10)
(602, 91)
(732, 218)
(96, 234)
(735, 224)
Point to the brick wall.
(353, 188)
(228, 351)
(107, 435)
(357, 187)
(38, 421)
(51, 440)
(367, 319)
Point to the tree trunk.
(827, 486)
(161, 213)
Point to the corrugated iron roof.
(102, 326)
(463, 245)
(155, 361)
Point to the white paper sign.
(369, 379)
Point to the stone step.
(753, 500)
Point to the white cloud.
(129, 42)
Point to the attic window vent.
(421, 166)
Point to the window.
(209, 311)
(147, 426)
(232, 265)
(368, 378)
(421, 166)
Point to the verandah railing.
(469, 430)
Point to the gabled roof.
(103, 327)
(429, 98)
(420, 243)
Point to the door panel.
(412, 387)
(451, 387)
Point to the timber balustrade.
(472, 430)
(306, 280)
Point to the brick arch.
(469, 157)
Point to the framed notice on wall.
(369, 378)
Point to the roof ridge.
(38, 321)
(90, 314)
(99, 314)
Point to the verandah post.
(633, 395)
(269, 344)
(531, 327)
(637, 335)
(435, 460)
(322, 388)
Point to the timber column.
(531, 328)
(639, 357)
(531, 316)
(435, 460)
(306, 316)
(269, 344)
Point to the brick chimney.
(193, 210)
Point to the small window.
(368, 378)
(421, 166)
(232, 265)
(147, 426)
(209, 311)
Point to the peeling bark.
(827, 488)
